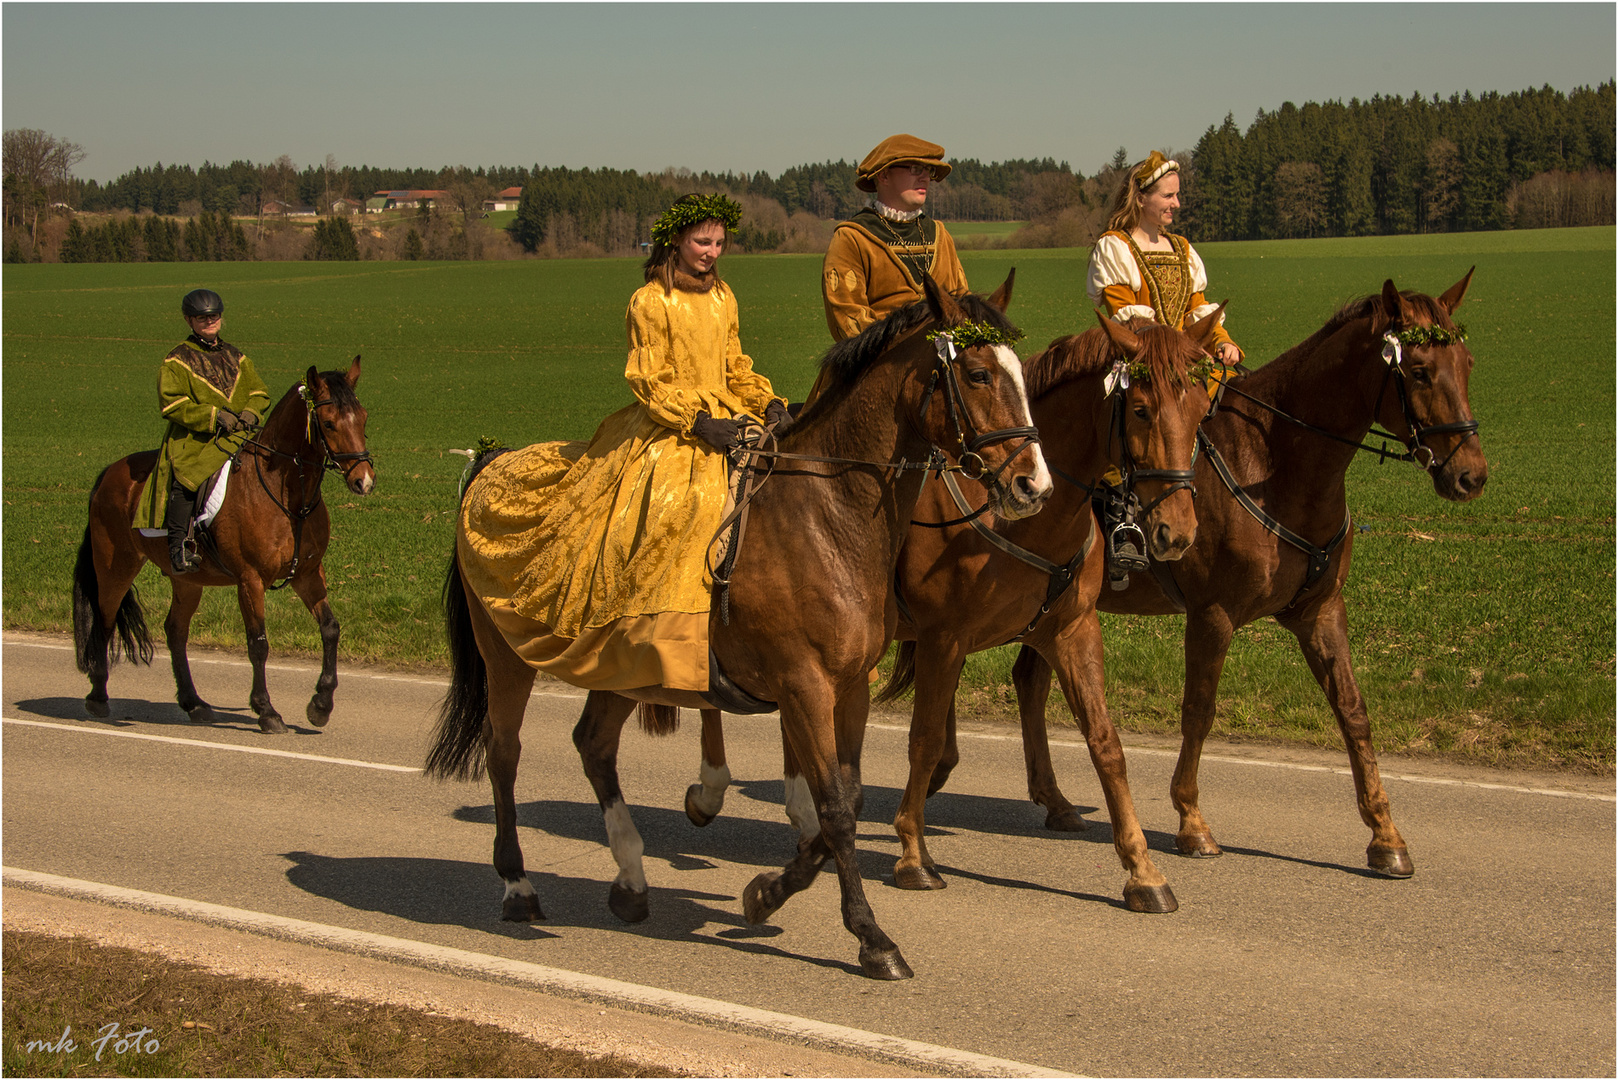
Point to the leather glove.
(227, 422)
(719, 434)
(251, 419)
(776, 417)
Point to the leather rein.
(1320, 557)
(970, 464)
(330, 461)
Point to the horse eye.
(979, 378)
(1421, 376)
(328, 425)
(1142, 412)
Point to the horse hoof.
(201, 714)
(1198, 847)
(1150, 899)
(627, 904)
(886, 964)
(318, 716)
(270, 724)
(1065, 821)
(918, 878)
(98, 709)
(1393, 863)
(755, 909)
(520, 908)
(692, 810)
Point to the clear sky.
(737, 86)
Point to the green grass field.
(1483, 629)
(984, 228)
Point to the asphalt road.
(1286, 957)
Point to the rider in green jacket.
(213, 400)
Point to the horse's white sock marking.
(626, 847)
(800, 807)
(520, 887)
(715, 779)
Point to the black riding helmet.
(199, 302)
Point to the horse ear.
(1453, 295)
(1390, 312)
(311, 378)
(1202, 331)
(1000, 299)
(943, 305)
(354, 373)
(1121, 335)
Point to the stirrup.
(184, 558)
(1126, 554)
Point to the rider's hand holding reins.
(227, 422)
(776, 417)
(719, 434)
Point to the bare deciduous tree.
(38, 168)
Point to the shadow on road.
(447, 893)
(129, 712)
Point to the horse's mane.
(1355, 310)
(1090, 353)
(846, 360)
(337, 389)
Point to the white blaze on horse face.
(1041, 476)
(800, 808)
(715, 779)
(627, 848)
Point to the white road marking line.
(90, 728)
(924, 1057)
(986, 737)
(1292, 766)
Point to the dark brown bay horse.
(810, 606)
(1273, 534)
(963, 589)
(272, 524)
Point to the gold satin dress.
(592, 557)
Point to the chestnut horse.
(810, 605)
(1273, 529)
(272, 524)
(963, 589)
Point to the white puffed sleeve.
(1111, 264)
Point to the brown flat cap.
(900, 150)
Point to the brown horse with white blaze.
(272, 524)
(1274, 536)
(810, 607)
(964, 588)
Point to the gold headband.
(1158, 173)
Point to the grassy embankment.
(1484, 629)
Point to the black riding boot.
(182, 502)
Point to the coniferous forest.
(1390, 165)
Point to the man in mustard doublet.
(877, 258)
(212, 399)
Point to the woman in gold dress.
(1138, 267)
(592, 558)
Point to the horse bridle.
(330, 461)
(1393, 356)
(1178, 479)
(972, 465)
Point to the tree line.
(1394, 165)
(1390, 165)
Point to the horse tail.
(131, 637)
(458, 741)
(658, 719)
(903, 677)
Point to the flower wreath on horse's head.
(694, 210)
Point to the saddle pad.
(210, 508)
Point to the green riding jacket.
(196, 382)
